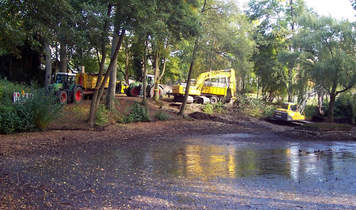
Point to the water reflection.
(226, 158)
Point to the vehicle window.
(285, 106)
(59, 78)
(293, 108)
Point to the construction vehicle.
(88, 82)
(288, 112)
(66, 88)
(135, 88)
(209, 87)
(121, 87)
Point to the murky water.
(222, 171)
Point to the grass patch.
(162, 116)
(138, 113)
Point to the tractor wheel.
(152, 92)
(134, 92)
(63, 97)
(214, 100)
(77, 95)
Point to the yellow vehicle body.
(121, 87)
(180, 90)
(289, 112)
(218, 84)
(88, 81)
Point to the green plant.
(162, 116)
(208, 109)
(45, 108)
(102, 115)
(138, 113)
(253, 107)
(29, 114)
(310, 111)
(219, 107)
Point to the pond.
(239, 170)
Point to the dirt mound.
(204, 116)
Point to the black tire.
(214, 99)
(62, 97)
(77, 95)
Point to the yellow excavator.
(210, 87)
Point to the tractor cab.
(66, 89)
(63, 81)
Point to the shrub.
(44, 106)
(253, 107)
(213, 108)
(208, 109)
(102, 115)
(29, 114)
(311, 111)
(138, 113)
(7, 89)
(219, 107)
(162, 116)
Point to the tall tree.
(195, 49)
(329, 49)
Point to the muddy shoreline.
(151, 131)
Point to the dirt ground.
(72, 128)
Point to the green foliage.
(208, 108)
(34, 113)
(310, 111)
(44, 106)
(162, 116)
(253, 107)
(102, 115)
(213, 108)
(138, 113)
(343, 107)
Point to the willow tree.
(329, 48)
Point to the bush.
(311, 112)
(214, 108)
(343, 110)
(138, 113)
(7, 89)
(208, 109)
(162, 116)
(30, 114)
(102, 115)
(253, 107)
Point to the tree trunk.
(112, 83)
(331, 107)
(157, 72)
(182, 108)
(96, 96)
(48, 65)
(195, 49)
(99, 92)
(320, 102)
(127, 63)
(144, 82)
(63, 56)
